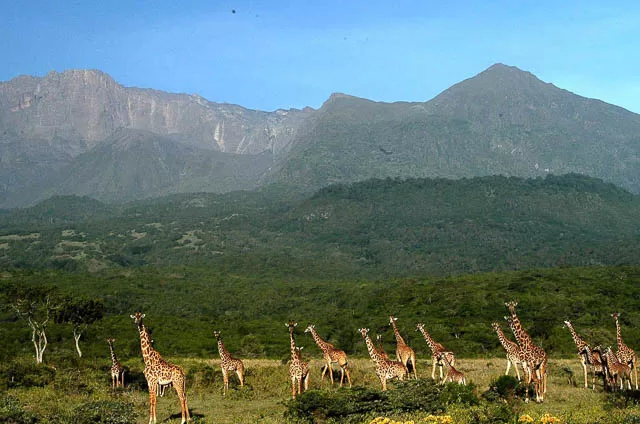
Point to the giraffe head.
(420, 327)
(216, 334)
(495, 326)
(512, 306)
(615, 315)
(567, 323)
(364, 332)
(110, 341)
(309, 328)
(392, 319)
(379, 338)
(137, 318)
(291, 325)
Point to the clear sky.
(280, 54)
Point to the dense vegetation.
(369, 230)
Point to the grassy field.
(267, 389)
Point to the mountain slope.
(502, 121)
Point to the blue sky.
(281, 54)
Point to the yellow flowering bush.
(431, 419)
(549, 419)
(526, 419)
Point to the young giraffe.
(597, 361)
(404, 353)
(436, 350)
(385, 369)
(625, 354)
(228, 364)
(158, 371)
(535, 357)
(514, 353)
(331, 355)
(380, 348)
(452, 375)
(582, 354)
(117, 370)
(617, 370)
(298, 369)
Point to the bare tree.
(37, 306)
(80, 313)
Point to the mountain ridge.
(501, 121)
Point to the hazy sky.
(280, 54)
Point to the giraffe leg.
(324, 370)
(433, 370)
(515, 366)
(586, 377)
(122, 380)
(225, 380)
(293, 387)
(509, 366)
(240, 374)
(153, 399)
(341, 376)
(179, 383)
(413, 365)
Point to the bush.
(26, 373)
(104, 412)
(358, 403)
(506, 388)
(11, 412)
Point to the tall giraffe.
(331, 355)
(298, 369)
(158, 371)
(385, 369)
(582, 351)
(514, 353)
(451, 375)
(625, 354)
(535, 357)
(436, 350)
(404, 353)
(228, 364)
(380, 347)
(117, 370)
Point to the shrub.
(104, 412)
(26, 373)
(11, 412)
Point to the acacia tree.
(80, 313)
(36, 305)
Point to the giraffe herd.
(615, 368)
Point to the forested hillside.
(373, 229)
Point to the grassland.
(267, 391)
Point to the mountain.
(79, 132)
(502, 121)
(55, 129)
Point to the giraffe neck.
(522, 336)
(429, 340)
(294, 353)
(224, 353)
(399, 338)
(619, 335)
(114, 360)
(372, 349)
(576, 338)
(145, 344)
(321, 343)
(503, 339)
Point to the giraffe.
(436, 350)
(385, 369)
(404, 353)
(582, 354)
(228, 364)
(158, 371)
(331, 355)
(380, 348)
(618, 371)
(452, 375)
(514, 353)
(625, 354)
(117, 370)
(298, 369)
(535, 357)
(597, 361)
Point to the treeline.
(185, 305)
(373, 229)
